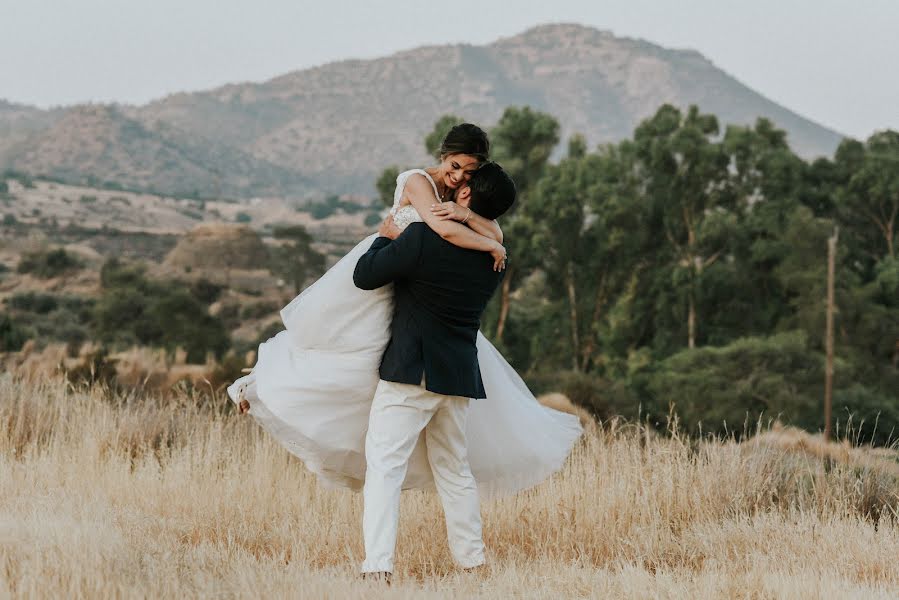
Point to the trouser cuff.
(377, 566)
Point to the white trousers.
(398, 414)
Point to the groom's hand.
(389, 229)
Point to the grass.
(122, 496)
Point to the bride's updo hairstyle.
(468, 139)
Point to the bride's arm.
(421, 195)
(451, 211)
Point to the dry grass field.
(105, 495)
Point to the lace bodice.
(404, 216)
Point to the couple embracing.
(382, 381)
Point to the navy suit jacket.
(440, 293)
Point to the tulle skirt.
(313, 385)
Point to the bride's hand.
(449, 210)
(499, 257)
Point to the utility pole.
(828, 369)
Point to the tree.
(577, 146)
(386, 185)
(868, 205)
(686, 174)
(867, 212)
(769, 182)
(586, 223)
(12, 336)
(296, 260)
(522, 142)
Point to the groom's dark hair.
(492, 191)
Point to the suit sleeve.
(387, 260)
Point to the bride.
(313, 384)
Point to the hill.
(333, 128)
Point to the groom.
(429, 372)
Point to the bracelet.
(468, 216)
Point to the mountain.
(333, 128)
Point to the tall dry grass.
(117, 496)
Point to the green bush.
(322, 211)
(731, 388)
(330, 206)
(206, 291)
(48, 317)
(602, 397)
(243, 217)
(165, 314)
(12, 336)
(256, 310)
(48, 263)
(33, 302)
(229, 313)
(866, 415)
(372, 219)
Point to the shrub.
(33, 302)
(12, 336)
(48, 263)
(603, 398)
(243, 217)
(322, 211)
(865, 414)
(730, 388)
(268, 332)
(229, 313)
(206, 291)
(372, 219)
(258, 309)
(155, 313)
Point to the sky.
(833, 61)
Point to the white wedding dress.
(313, 385)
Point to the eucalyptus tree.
(868, 205)
(588, 230)
(686, 175)
(522, 142)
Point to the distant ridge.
(333, 128)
